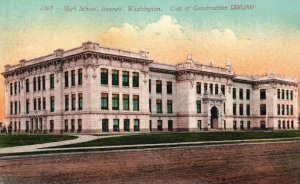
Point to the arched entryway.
(214, 117)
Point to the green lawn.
(8, 140)
(155, 138)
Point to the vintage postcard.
(107, 91)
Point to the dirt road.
(269, 163)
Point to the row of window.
(73, 76)
(159, 108)
(73, 102)
(241, 109)
(72, 125)
(159, 87)
(115, 102)
(288, 125)
(116, 125)
(234, 125)
(213, 89)
(284, 94)
(15, 107)
(15, 88)
(241, 94)
(115, 78)
(281, 111)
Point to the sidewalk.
(85, 138)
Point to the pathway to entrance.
(37, 147)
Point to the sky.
(264, 39)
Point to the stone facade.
(93, 89)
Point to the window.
(34, 83)
(288, 124)
(44, 103)
(16, 88)
(11, 89)
(125, 78)
(66, 79)
(242, 125)
(291, 95)
(115, 102)
(73, 77)
(44, 82)
(27, 126)
(234, 109)
(104, 76)
(216, 89)
(125, 102)
(292, 124)
(136, 125)
(66, 102)
(248, 109)
(150, 125)
(248, 125)
(104, 101)
(198, 103)
(170, 125)
(234, 93)
(150, 105)
(51, 81)
(263, 94)
(278, 93)
(73, 102)
(263, 109)
(282, 94)
(39, 104)
(135, 79)
(159, 125)
(115, 77)
(223, 89)
(72, 125)
(211, 89)
(287, 110)
(16, 107)
(283, 124)
(241, 109)
(27, 106)
(169, 87)
(116, 125)
(66, 125)
(136, 103)
(205, 87)
(51, 125)
(11, 108)
(80, 101)
(292, 110)
(198, 88)
(34, 104)
(287, 94)
(234, 125)
(79, 121)
(39, 83)
(80, 76)
(126, 125)
(158, 86)
(278, 109)
(104, 125)
(241, 94)
(158, 106)
(52, 104)
(169, 106)
(27, 85)
(282, 109)
(279, 124)
(149, 85)
(199, 125)
(248, 94)
(19, 86)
